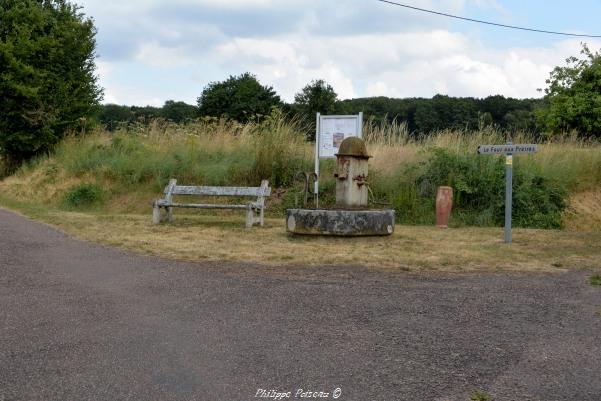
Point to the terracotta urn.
(444, 205)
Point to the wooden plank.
(219, 191)
(169, 197)
(249, 217)
(204, 206)
(156, 213)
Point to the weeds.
(83, 195)
(595, 280)
(479, 396)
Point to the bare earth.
(79, 321)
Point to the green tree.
(573, 98)
(47, 75)
(111, 115)
(316, 97)
(241, 98)
(178, 112)
(145, 114)
(426, 117)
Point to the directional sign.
(508, 150)
(505, 149)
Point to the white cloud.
(404, 64)
(132, 95)
(233, 4)
(360, 49)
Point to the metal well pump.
(351, 174)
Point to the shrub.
(83, 195)
(595, 280)
(479, 190)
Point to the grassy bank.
(124, 171)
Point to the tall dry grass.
(133, 164)
(573, 161)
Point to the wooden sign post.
(508, 150)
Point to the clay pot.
(444, 204)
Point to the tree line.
(244, 98)
(422, 115)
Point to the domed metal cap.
(354, 147)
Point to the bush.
(83, 195)
(478, 184)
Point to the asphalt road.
(79, 321)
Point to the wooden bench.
(172, 189)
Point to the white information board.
(330, 132)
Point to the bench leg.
(170, 214)
(156, 214)
(261, 217)
(249, 217)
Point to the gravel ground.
(79, 321)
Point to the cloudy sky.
(151, 51)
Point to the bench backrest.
(173, 189)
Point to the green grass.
(479, 396)
(595, 280)
(83, 195)
(132, 165)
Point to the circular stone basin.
(340, 222)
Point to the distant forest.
(421, 115)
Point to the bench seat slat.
(205, 206)
(219, 191)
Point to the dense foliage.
(421, 115)
(83, 195)
(241, 98)
(47, 81)
(573, 98)
(479, 190)
(112, 115)
(316, 97)
(444, 112)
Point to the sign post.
(508, 150)
(330, 131)
(508, 194)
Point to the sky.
(151, 51)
